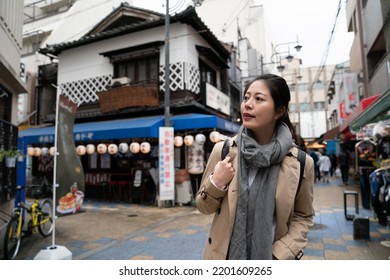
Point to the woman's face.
(258, 108)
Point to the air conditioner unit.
(120, 81)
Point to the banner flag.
(70, 173)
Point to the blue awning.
(202, 121)
(144, 127)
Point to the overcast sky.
(311, 21)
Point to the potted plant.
(10, 157)
(2, 155)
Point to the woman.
(258, 212)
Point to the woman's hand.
(223, 172)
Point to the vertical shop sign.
(166, 164)
(350, 81)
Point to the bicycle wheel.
(13, 237)
(45, 219)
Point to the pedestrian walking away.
(325, 166)
(333, 160)
(317, 174)
(344, 160)
(261, 210)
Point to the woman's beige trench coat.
(294, 211)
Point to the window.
(139, 70)
(293, 107)
(207, 74)
(304, 107)
(319, 105)
(139, 63)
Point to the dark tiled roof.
(188, 16)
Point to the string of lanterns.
(200, 138)
(124, 148)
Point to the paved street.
(121, 231)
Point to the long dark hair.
(280, 93)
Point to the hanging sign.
(166, 164)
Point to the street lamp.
(276, 53)
(197, 3)
(167, 123)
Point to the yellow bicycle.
(41, 219)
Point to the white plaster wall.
(85, 61)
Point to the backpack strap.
(302, 160)
(225, 149)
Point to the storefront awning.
(331, 134)
(145, 127)
(203, 121)
(373, 113)
(116, 129)
(357, 112)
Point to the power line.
(325, 56)
(323, 61)
(232, 17)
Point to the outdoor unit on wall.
(120, 81)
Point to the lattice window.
(176, 77)
(193, 78)
(84, 91)
(178, 71)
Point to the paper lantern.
(123, 148)
(90, 149)
(44, 151)
(30, 151)
(52, 151)
(81, 150)
(178, 141)
(214, 136)
(195, 159)
(200, 138)
(188, 140)
(37, 152)
(102, 148)
(112, 149)
(134, 147)
(145, 147)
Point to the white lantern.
(45, 151)
(200, 138)
(90, 149)
(188, 140)
(178, 141)
(37, 152)
(30, 151)
(112, 149)
(123, 148)
(102, 148)
(52, 150)
(134, 148)
(81, 150)
(214, 136)
(195, 159)
(145, 147)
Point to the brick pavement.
(122, 231)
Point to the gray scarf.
(252, 232)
